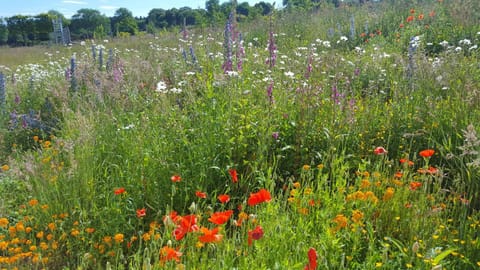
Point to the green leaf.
(442, 255)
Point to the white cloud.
(74, 2)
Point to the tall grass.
(126, 172)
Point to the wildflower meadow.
(338, 138)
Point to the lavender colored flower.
(270, 93)
(2, 92)
(17, 99)
(275, 135)
(272, 48)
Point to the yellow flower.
(378, 264)
(52, 226)
(5, 168)
(35, 138)
(3, 222)
(118, 238)
(365, 184)
(107, 239)
(74, 232)
(306, 167)
(357, 216)
(296, 184)
(43, 245)
(388, 193)
(47, 144)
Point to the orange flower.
(223, 198)
(220, 218)
(169, 254)
(210, 236)
(430, 170)
(431, 14)
(410, 19)
(255, 234)
(415, 185)
(176, 178)
(233, 174)
(312, 259)
(427, 153)
(119, 191)
(261, 196)
(141, 212)
(412, 11)
(421, 16)
(408, 162)
(201, 194)
(380, 151)
(341, 221)
(401, 25)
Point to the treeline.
(20, 30)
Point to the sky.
(68, 8)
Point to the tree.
(264, 8)
(157, 17)
(3, 32)
(243, 9)
(296, 4)
(86, 22)
(43, 26)
(20, 30)
(214, 13)
(123, 21)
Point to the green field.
(344, 138)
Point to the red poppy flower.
(176, 178)
(200, 194)
(141, 212)
(233, 174)
(380, 151)
(170, 218)
(312, 259)
(184, 225)
(255, 234)
(427, 153)
(119, 191)
(169, 254)
(261, 196)
(220, 218)
(210, 236)
(223, 198)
